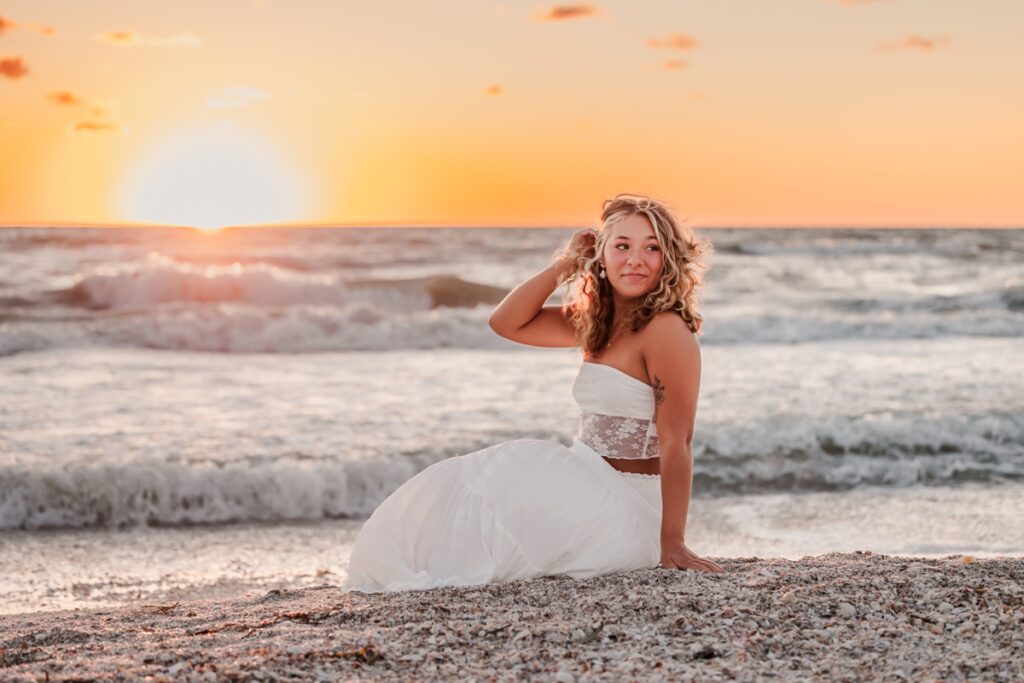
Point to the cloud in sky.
(65, 97)
(674, 64)
(13, 67)
(8, 25)
(92, 126)
(136, 39)
(235, 97)
(564, 12)
(851, 3)
(914, 42)
(674, 41)
(493, 90)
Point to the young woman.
(617, 499)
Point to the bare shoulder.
(667, 329)
(667, 340)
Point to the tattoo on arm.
(659, 395)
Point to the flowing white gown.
(527, 507)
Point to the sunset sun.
(213, 177)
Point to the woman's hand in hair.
(571, 258)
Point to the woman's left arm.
(672, 356)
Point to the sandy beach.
(854, 616)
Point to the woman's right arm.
(522, 316)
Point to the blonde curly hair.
(591, 311)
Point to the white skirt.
(514, 510)
(647, 485)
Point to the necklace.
(618, 321)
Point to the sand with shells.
(845, 617)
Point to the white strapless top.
(616, 412)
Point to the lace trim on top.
(611, 436)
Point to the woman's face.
(632, 257)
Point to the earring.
(602, 274)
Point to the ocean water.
(188, 414)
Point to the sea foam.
(765, 456)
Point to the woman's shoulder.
(669, 323)
(667, 333)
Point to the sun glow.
(213, 177)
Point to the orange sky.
(746, 112)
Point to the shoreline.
(93, 568)
(837, 616)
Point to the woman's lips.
(635, 276)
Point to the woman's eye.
(654, 248)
